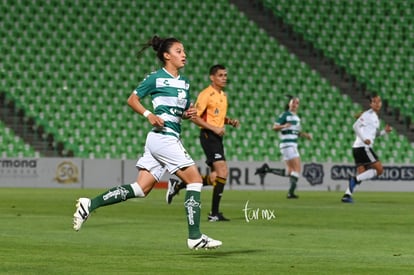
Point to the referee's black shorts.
(364, 156)
(212, 145)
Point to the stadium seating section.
(373, 40)
(71, 66)
(12, 145)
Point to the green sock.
(293, 180)
(278, 171)
(113, 195)
(192, 206)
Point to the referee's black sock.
(217, 194)
(206, 180)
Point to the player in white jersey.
(366, 128)
(288, 124)
(170, 94)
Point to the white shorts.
(290, 152)
(163, 152)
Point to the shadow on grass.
(217, 253)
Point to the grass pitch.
(316, 234)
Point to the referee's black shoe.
(217, 217)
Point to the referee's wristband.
(146, 113)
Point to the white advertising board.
(106, 173)
(42, 172)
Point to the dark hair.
(215, 68)
(372, 96)
(160, 45)
(290, 97)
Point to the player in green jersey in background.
(288, 124)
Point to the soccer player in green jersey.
(170, 94)
(288, 124)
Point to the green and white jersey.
(289, 136)
(170, 98)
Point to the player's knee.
(222, 172)
(222, 175)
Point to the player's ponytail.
(158, 44)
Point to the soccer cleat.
(173, 189)
(204, 242)
(292, 196)
(82, 213)
(262, 170)
(347, 199)
(217, 218)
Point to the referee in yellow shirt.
(212, 117)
